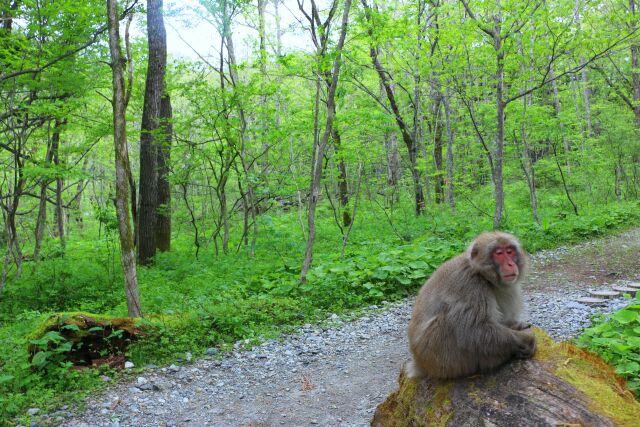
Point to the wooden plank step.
(604, 293)
(626, 290)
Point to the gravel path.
(337, 374)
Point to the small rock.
(128, 365)
(211, 351)
(149, 387)
(104, 378)
(33, 411)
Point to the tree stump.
(84, 339)
(561, 386)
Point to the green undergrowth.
(616, 338)
(214, 301)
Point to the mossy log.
(561, 386)
(96, 339)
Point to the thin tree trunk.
(393, 159)
(59, 211)
(576, 104)
(264, 126)
(154, 90)
(450, 188)
(14, 243)
(127, 252)
(635, 73)
(343, 188)
(393, 164)
(42, 208)
(558, 108)
(586, 95)
(248, 196)
(436, 131)
(322, 144)
(408, 139)
(499, 152)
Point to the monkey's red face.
(505, 258)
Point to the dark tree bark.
(127, 250)
(163, 226)
(154, 90)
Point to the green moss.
(81, 319)
(605, 391)
(438, 411)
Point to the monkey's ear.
(473, 252)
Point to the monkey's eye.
(510, 251)
(498, 251)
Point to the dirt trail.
(337, 375)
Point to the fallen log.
(561, 386)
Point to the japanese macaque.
(466, 318)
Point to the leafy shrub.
(616, 339)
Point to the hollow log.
(561, 386)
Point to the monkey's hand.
(526, 345)
(519, 326)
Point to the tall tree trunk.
(558, 108)
(42, 208)
(14, 248)
(527, 165)
(393, 164)
(59, 211)
(248, 197)
(586, 95)
(450, 188)
(635, 73)
(438, 144)
(316, 171)
(409, 140)
(127, 252)
(264, 125)
(585, 79)
(499, 148)
(163, 224)
(343, 188)
(154, 90)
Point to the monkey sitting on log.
(466, 318)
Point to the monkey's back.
(453, 297)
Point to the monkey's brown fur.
(466, 319)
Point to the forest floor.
(337, 373)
